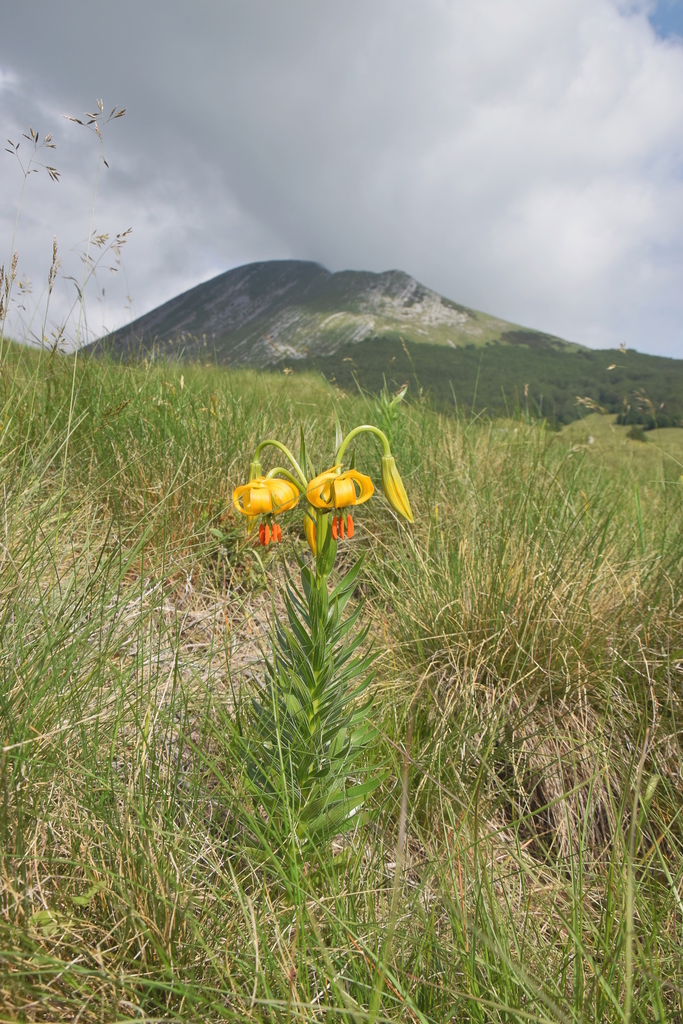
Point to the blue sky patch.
(667, 18)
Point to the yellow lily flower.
(394, 489)
(262, 496)
(337, 490)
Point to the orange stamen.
(264, 534)
(341, 526)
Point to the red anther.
(277, 533)
(334, 527)
(264, 534)
(341, 527)
(349, 527)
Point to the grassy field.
(655, 455)
(530, 637)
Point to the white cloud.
(522, 158)
(8, 79)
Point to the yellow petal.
(285, 494)
(252, 499)
(366, 488)
(344, 493)
(260, 500)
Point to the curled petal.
(320, 491)
(338, 490)
(344, 492)
(285, 495)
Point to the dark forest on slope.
(641, 388)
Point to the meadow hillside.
(529, 691)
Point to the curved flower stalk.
(310, 723)
(391, 481)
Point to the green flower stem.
(326, 547)
(283, 448)
(279, 470)
(386, 449)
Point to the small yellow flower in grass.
(338, 490)
(262, 496)
(394, 489)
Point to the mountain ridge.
(261, 313)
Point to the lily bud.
(394, 489)
(310, 530)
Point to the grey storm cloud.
(524, 159)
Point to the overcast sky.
(524, 158)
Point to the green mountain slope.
(262, 313)
(500, 379)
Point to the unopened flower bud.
(309, 528)
(394, 489)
